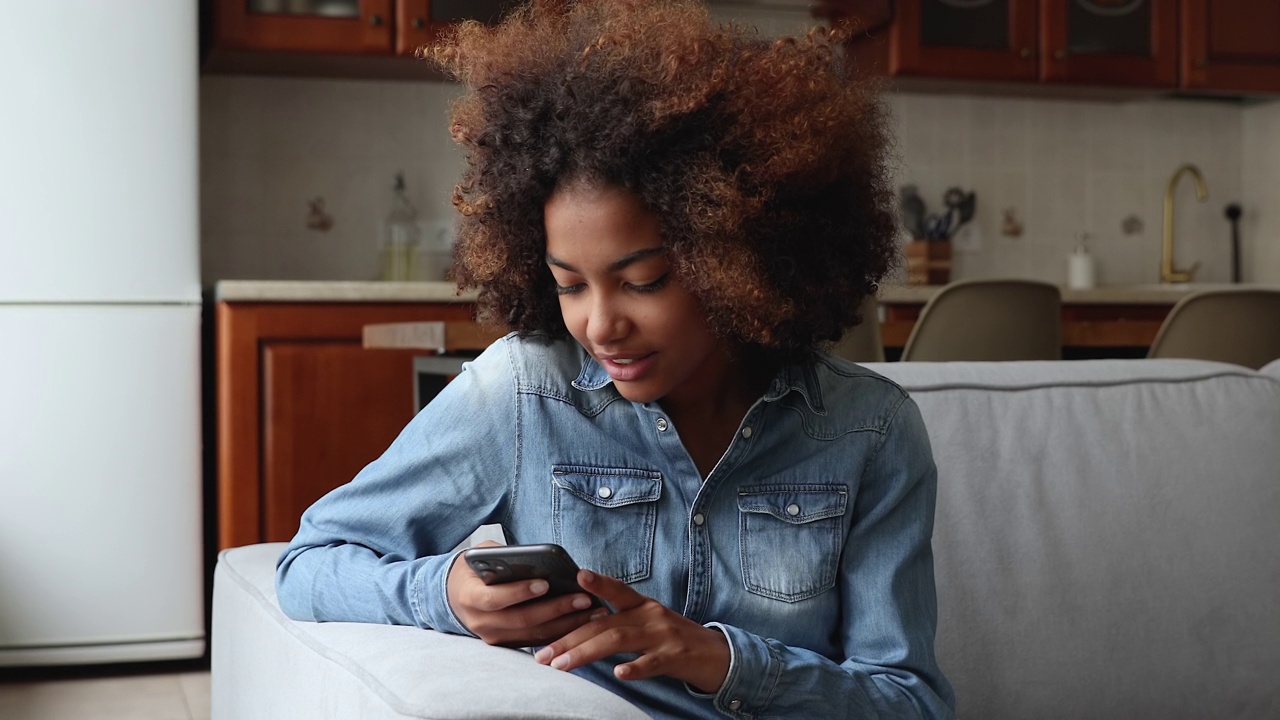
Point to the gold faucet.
(1167, 272)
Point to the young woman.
(674, 219)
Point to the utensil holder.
(928, 262)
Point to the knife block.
(928, 262)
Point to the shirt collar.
(801, 378)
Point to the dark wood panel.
(1084, 326)
(1157, 69)
(237, 27)
(329, 409)
(244, 331)
(1231, 45)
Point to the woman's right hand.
(494, 612)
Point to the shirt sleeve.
(379, 548)
(889, 608)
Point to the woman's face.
(621, 300)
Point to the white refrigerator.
(100, 446)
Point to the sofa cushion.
(1108, 536)
(268, 666)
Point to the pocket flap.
(795, 504)
(608, 487)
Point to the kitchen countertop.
(1152, 294)
(338, 291)
(355, 291)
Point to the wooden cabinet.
(1231, 45)
(1109, 42)
(302, 406)
(361, 27)
(1131, 43)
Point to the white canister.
(1080, 267)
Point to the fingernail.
(622, 671)
(588, 576)
(537, 587)
(599, 614)
(543, 655)
(560, 662)
(581, 603)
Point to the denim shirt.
(808, 544)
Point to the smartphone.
(508, 563)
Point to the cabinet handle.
(419, 23)
(375, 20)
(1026, 52)
(1059, 54)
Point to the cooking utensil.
(913, 210)
(1233, 213)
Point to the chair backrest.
(1238, 326)
(862, 343)
(989, 320)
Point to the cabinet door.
(420, 22)
(965, 39)
(329, 408)
(1231, 45)
(1110, 42)
(301, 406)
(326, 26)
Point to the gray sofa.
(1107, 546)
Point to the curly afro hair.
(766, 162)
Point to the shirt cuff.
(752, 680)
(431, 596)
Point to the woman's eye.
(654, 286)
(568, 289)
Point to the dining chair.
(862, 342)
(989, 320)
(1237, 325)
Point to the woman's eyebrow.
(614, 266)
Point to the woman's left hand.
(667, 642)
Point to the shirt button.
(698, 519)
(746, 431)
(792, 509)
(734, 704)
(662, 424)
(606, 493)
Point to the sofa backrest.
(1107, 542)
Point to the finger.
(616, 593)
(642, 668)
(601, 645)
(538, 634)
(490, 598)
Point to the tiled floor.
(166, 696)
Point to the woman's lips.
(629, 369)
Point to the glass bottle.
(399, 236)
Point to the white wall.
(1261, 181)
(1071, 166)
(269, 145)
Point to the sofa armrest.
(266, 665)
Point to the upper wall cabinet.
(352, 27)
(963, 39)
(1109, 42)
(1220, 45)
(1231, 45)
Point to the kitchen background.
(272, 146)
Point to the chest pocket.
(791, 537)
(605, 518)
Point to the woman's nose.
(607, 323)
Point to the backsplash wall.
(270, 146)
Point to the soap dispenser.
(399, 236)
(1080, 266)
